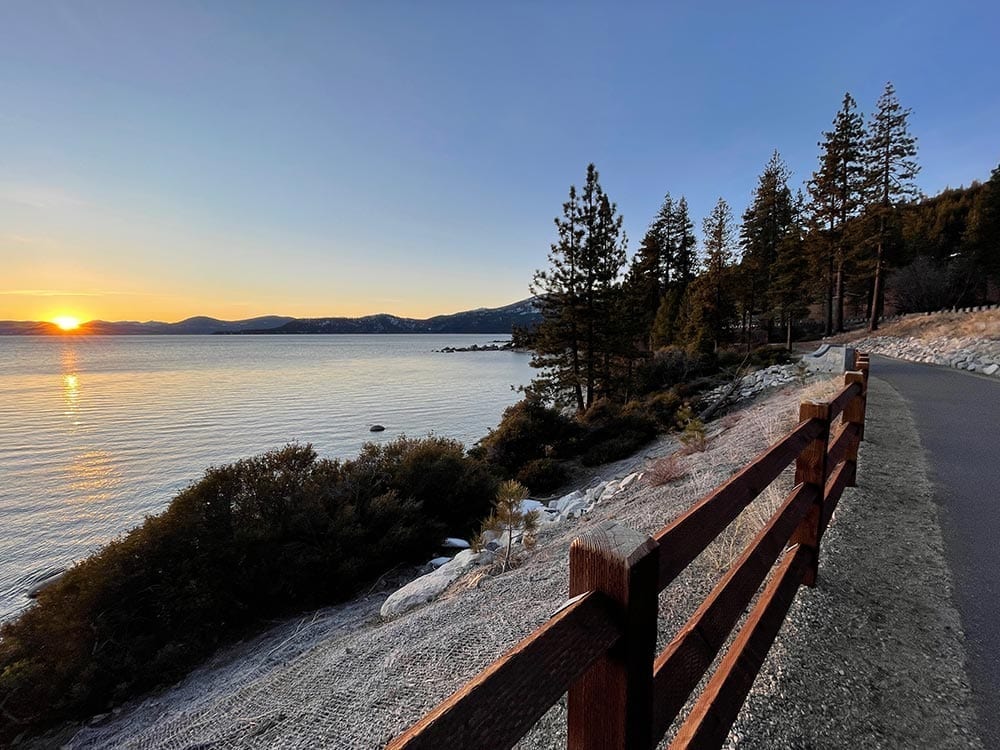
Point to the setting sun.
(67, 322)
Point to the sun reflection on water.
(71, 384)
(94, 477)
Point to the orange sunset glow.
(66, 322)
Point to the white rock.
(562, 503)
(429, 587)
(627, 481)
(528, 505)
(574, 510)
(593, 494)
(991, 369)
(548, 515)
(453, 542)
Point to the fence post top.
(614, 540)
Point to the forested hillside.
(857, 242)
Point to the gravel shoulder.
(874, 656)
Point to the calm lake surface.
(98, 432)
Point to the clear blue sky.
(166, 159)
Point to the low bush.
(262, 537)
(543, 475)
(615, 448)
(669, 367)
(693, 435)
(665, 470)
(612, 432)
(529, 430)
(660, 407)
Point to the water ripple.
(98, 432)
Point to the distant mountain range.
(482, 320)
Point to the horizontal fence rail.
(600, 646)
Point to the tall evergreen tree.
(708, 306)
(890, 168)
(578, 294)
(684, 256)
(982, 235)
(765, 222)
(665, 228)
(788, 291)
(837, 193)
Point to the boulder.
(454, 542)
(574, 509)
(991, 369)
(563, 502)
(629, 480)
(528, 505)
(376, 428)
(428, 587)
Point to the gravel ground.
(874, 656)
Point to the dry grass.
(731, 420)
(729, 545)
(984, 324)
(823, 389)
(666, 470)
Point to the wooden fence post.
(862, 364)
(854, 414)
(611, 705)
(810, 468)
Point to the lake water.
(98, 432)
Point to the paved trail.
(958, 416)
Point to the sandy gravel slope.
(871, 658)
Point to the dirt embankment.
(876, 648)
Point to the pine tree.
(684, 258)
(890, 169)
(765, 222)
(982, 233)
(837, 193)
(707, 307)
(788, 292)
(665, 227)
(578, 294)
(508, 518)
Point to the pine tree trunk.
(876, 291)
(788, 339)
(829, 298)
(877, 286)
(838, 296)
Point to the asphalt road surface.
(958, 417)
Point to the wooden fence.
(600, 646)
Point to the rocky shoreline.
(493, 346)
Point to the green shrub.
(262, 537)
(692, 430)
(766, 356)
(669, 367)
(660, 407)
(612, 432)
(543, 475)
(614, 448)
(529, 430)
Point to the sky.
(234, 159)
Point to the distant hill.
(483, 320)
